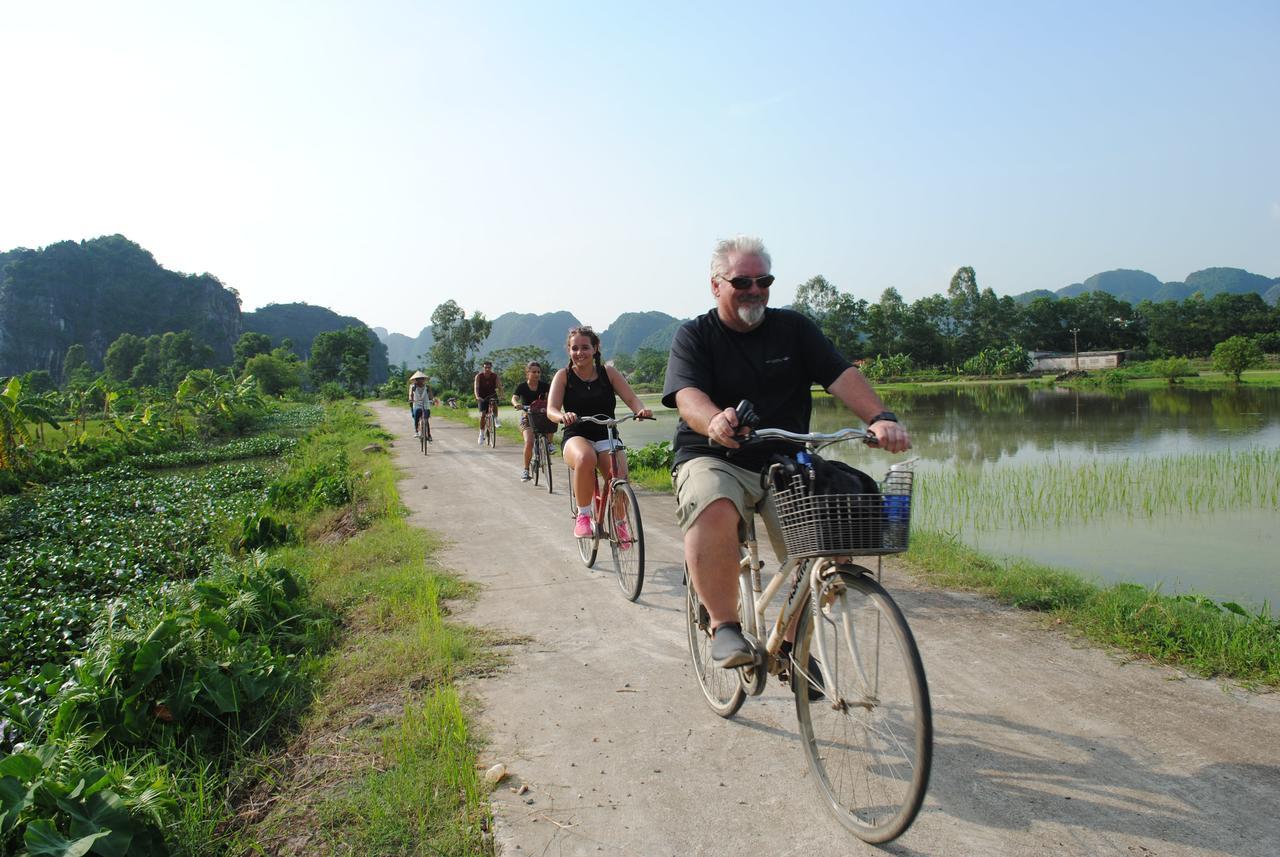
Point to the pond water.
(1231, 553)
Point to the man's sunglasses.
(741, 283)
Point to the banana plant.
(20, 415)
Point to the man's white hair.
(747, 245)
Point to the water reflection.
(996, 423)
(991, 427)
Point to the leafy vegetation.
(1233, 356)
(71, 548)
(455, 341)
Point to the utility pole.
(1075, 346)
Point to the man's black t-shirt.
(773, 366)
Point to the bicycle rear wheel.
(628, 546)
(722, 688)
(490, 433)
(588, 547)
(869, 737)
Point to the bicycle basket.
(538, 419)
(845, 524)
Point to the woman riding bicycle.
(420, 404)
(532, 391)
(589, 388)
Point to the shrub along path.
(1043, 744)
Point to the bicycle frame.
(802, 571)
(604, 490)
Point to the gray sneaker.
(524, 476)
(729, 648)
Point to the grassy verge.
(1188, 631)
(384, 762)
(299, 700)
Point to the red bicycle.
(615, 516)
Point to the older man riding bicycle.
(741, 349)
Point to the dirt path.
(1043, 745)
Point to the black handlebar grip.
(747, 416)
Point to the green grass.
(1187, 631)
(407, 782)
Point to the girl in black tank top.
(587, 388)
(589, 398)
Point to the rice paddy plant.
(1069, 492)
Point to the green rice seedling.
(1068, 492)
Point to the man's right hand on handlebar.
(724, 430)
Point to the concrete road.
(1044, 745)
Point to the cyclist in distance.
(486, 389)
(420, 402)
(588, 387)
(741, 349)
(532, 391)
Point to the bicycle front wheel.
(626, 540)
(543, 453)
(722, 688)
(491, 432)
(868, 733)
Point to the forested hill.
(546, 330)
(90, 292)
(632, 331)
(1137, 286)
(302, 322)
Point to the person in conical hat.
(420, 403)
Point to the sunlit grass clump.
(1068, 492)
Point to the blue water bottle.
(897, 513)
(806, 461)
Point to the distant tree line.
(952, 329)
(969, 330)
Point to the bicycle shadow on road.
(1095, 784)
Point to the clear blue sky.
(379, 158)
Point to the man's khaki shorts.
(701, 481)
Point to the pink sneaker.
(623, 534)
(582, 528)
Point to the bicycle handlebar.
(817, 438)
(603, 420)
(747, 417)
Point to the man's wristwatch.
(883, 416)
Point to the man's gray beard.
(751, 314)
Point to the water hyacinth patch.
(66, 550)
(262, 446)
